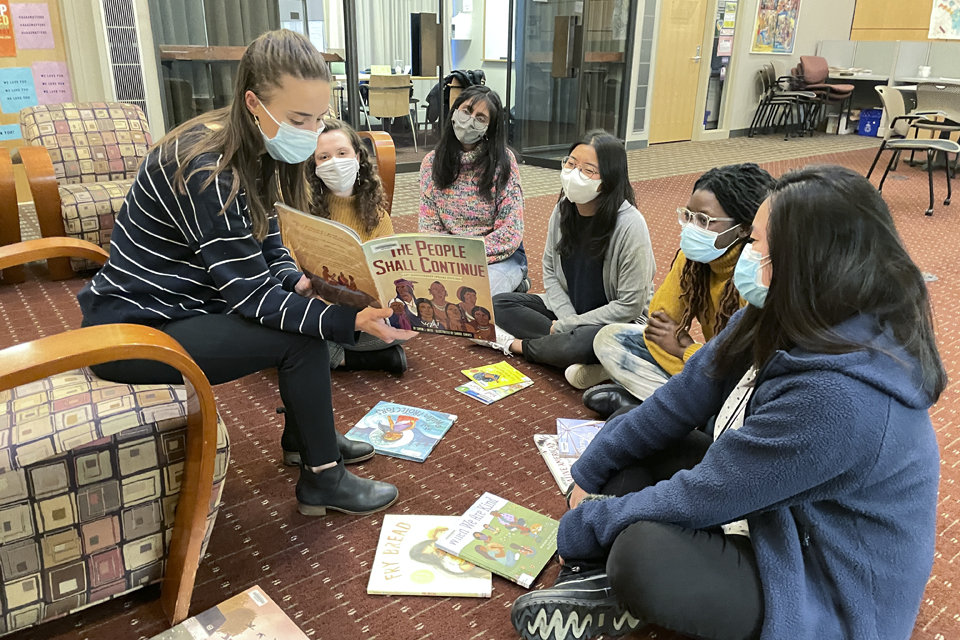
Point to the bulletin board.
(33, 62)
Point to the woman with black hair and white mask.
(470, 186)
(598, 267)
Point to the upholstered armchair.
(80, 161)
(104, 487)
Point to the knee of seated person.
(636, 557)
(606, 340)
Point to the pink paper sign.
(53, 82)
(31, 23)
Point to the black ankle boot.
(392, 360)
(338, 489)
(351, 450)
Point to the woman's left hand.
(662, 331)
(304, 287)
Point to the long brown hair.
(233, 132)
(371, 199)
(740, 189)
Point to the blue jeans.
(623, 352)
(506, 275)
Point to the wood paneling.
(891, 20)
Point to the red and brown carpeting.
(317, 569)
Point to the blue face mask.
(290, 145)
(699, 244)
(746, 277)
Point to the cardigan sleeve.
(507, 233)
(428, 219)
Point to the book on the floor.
(509, 540)
(489, 396)
(250, 615)
(559, 467)
(574, 436)
(433, 283)
(409, 563)
(493, 376)
(401, 431)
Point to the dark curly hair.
(371, 199)
(739, 188)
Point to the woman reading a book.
(196, 253)
(470, 186)
(597, 267)
(810, 511)
(347, 189)
(716, 224)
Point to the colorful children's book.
(489, 396)
(433, 283)
(505, 538)
(574, 436)
(401, 431)
(493, 376)
(408, 562)
(559, 467)
(250, 615)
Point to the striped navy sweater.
(174, 256)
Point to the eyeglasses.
(589, 171)
(697, 219)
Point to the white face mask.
(339, 174)
(578, 188)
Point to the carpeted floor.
(317, 569)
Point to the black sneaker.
(579, 605)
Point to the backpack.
(464, 79)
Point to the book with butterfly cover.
(401, 431)
(574, 436)
(409, 563)
(513, 542)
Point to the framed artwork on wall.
(775, 29)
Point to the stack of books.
(560, 451)
(493, 382)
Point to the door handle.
(696, 58)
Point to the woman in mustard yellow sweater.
(347, 189)
(716, 224)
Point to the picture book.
(408, 562)
(509, 540)
(250, 615)
(489, 396)
(433, 283)
(559, 467)
(401, 431)
(574, 436)
(492, 376)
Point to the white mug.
(924, 72)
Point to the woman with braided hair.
(716, 225)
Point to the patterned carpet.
(317, 569)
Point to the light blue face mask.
(290, 145)
(746, 277)
(699, 244)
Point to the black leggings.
(525, 316)
(227, 347)
(700, 583)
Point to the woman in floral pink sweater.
(470, 186)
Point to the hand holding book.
(374, 322)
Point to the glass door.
(572, 73)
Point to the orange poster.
(8, 46)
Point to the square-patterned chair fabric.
(90, 475)
(89, 211)
(89, 141)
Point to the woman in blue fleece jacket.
(810, 512)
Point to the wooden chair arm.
(9, 216)
(38, 359)
(20, 253)
(386, 161)
(46, 198)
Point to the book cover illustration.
(489, 396)
(492, 376)
(409, 563)
(509, 540)
(559, 467)
(433, 283)
(401, 431)
(250, 615)
(574, 436)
